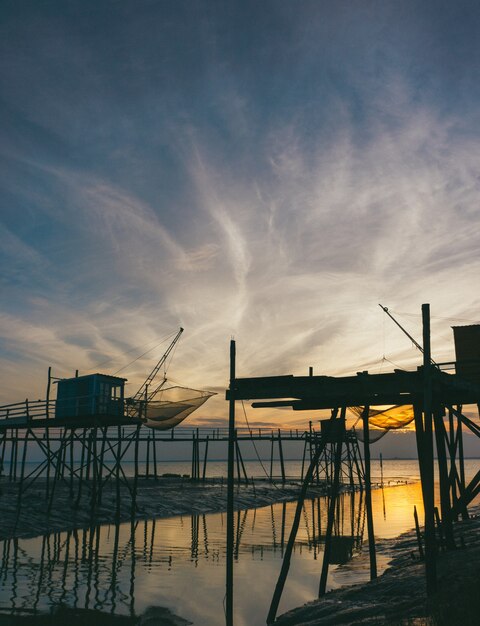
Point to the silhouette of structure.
(432, 392)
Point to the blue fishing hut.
(90, 396)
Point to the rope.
(255, 447)
(142, 355)
(98, 365)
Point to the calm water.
(179, 562)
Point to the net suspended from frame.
(382, 420)
(173, 406)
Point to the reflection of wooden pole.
(368, 494)
(230, 487)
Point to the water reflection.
(177, 564)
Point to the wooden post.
(331, 513)
(239, 456)
(303, 458)
(94, 471)
(154, 443)
(118, 456)
(47, 398)
(72, 461)
(271, 459)
(368, 494)
(22, 470)
(452, 449)
(461, 462)
(447, 527)
(135, 477)
(89, 455)
(197, 455)
(419, 535)
(230, 490)
(277, 595)
(429, 503)
(147, 465)
(15, 456)
(80, 479)
(101, 463)
(280, 451)
(205, 460)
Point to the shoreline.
(165, 497)
(398, 596)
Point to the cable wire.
(255, 447)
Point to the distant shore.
(164, 497)
(398, 596)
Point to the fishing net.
(173, 406)
(380, 421)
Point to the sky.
(269, 171)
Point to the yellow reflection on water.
(179, 562)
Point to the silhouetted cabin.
(88, 396)
(467, 352)
(333, 431)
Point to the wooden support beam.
(277, 595)
(368, 494)
(280, 452)
(331, 512)
(447, 526)
(428, 480)
(230, 494)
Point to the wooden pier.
(433, 394)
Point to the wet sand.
(155, 499)
(398, 596)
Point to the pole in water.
(368, 494)
(230, 487)
(428, 491)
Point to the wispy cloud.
(278, 199)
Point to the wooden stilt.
(80, 478)
(135, 476)
(419, 535)
(272, 613)
(205, 456)
(368, 494)
(280, 452)
(445, 504)
(230, 492)
(430, 549)
(147, 465)
(303, 458)
(118, 456)
(271, 459)
(331, 513)
(155, 471)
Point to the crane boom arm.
(151, 377)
